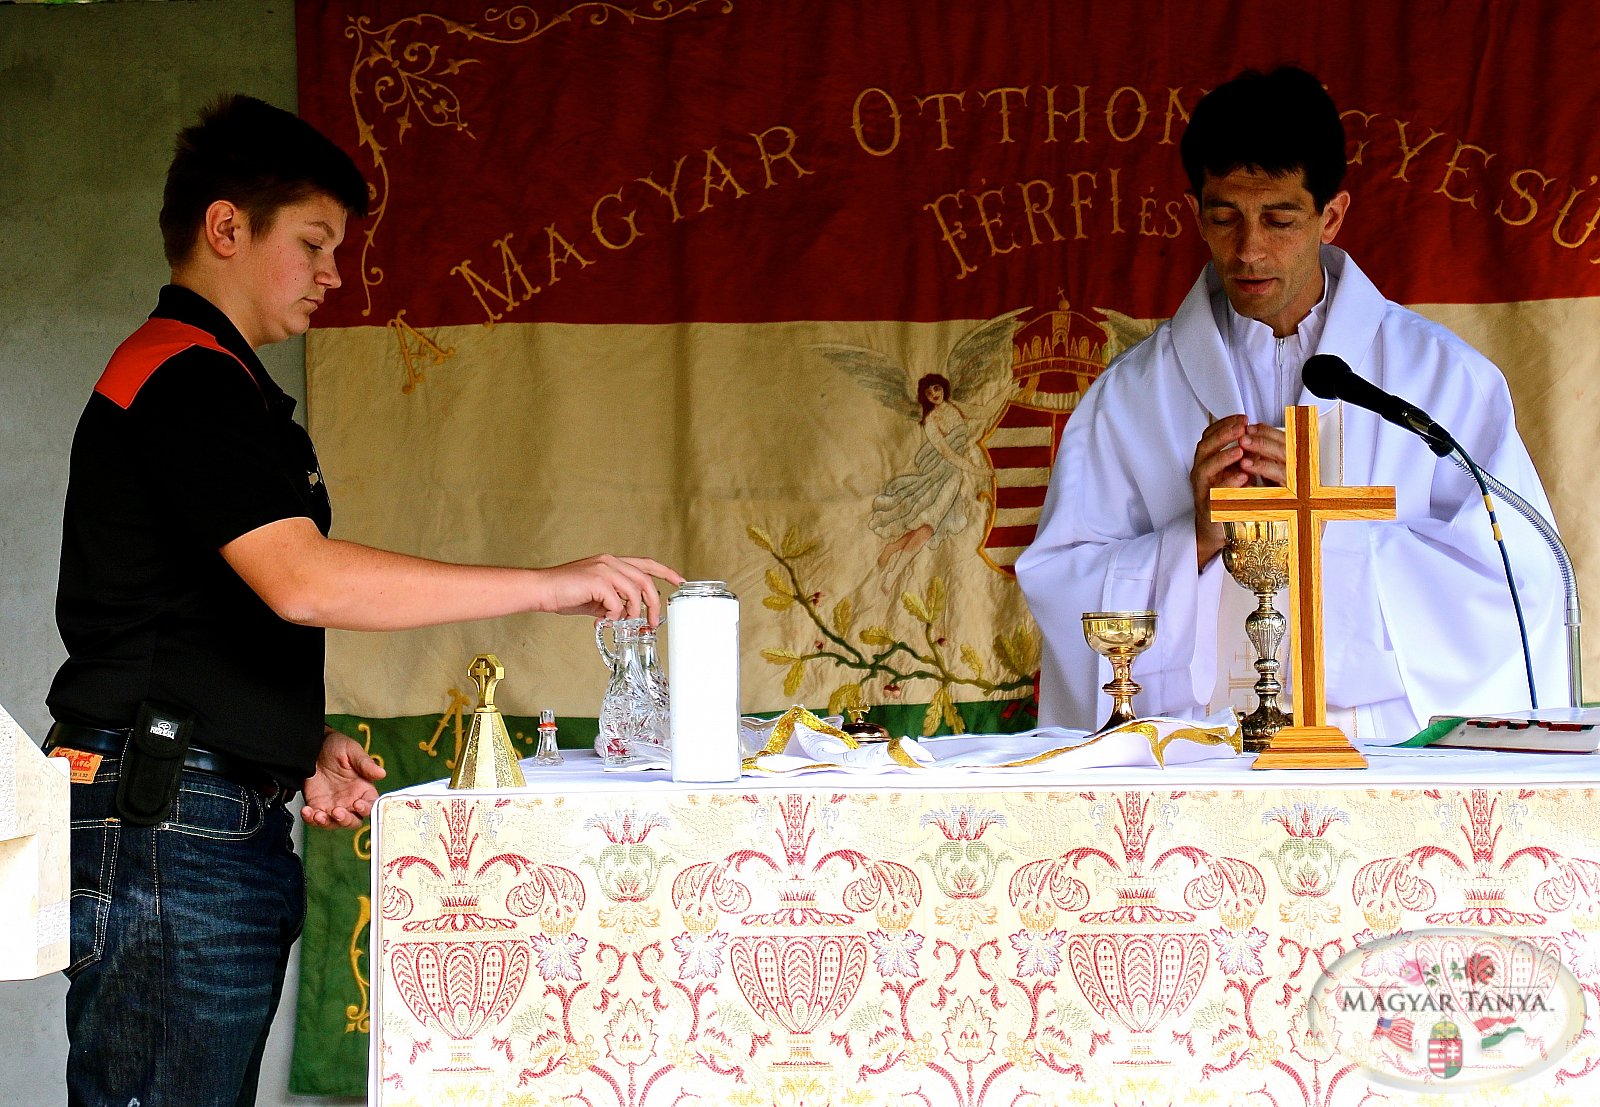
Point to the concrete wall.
(90, 99)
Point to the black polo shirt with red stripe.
(186, 444)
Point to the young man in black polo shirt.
(196, 578)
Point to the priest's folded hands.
(1231, 454)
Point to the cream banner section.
(738, 452)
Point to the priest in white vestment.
(1418, 619)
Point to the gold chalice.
(1119, 637)
(1256, 555)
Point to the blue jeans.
(180, 938)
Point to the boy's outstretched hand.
(341, 791)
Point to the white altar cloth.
(1389, 766)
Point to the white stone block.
(35, 836)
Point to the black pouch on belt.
(152, 764)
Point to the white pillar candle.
(703, 676)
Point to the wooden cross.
(1305, 503)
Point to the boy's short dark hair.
(1274, 122)
(259, 157)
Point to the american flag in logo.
(1396, 1030)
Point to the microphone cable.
(1569, 580)
(1464, 461)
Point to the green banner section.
(333, 1019)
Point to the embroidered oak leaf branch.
(877, 652)
(1018, 651)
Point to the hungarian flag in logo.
(1494, 1029)
(1444, 1049)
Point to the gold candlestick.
(1119, 637)
(1256, 554)
(487, 759)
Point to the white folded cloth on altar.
(799, 742)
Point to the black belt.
(110, 743)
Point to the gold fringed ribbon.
(899, 756)
(1200, 735)
(783, 731)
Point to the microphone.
(1327, 376)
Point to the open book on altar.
(1547, 730)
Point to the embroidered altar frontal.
(1017, 945)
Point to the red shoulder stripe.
(146, 350)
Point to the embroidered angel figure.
(939, 495)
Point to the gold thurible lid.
(487, 759)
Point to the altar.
(1106, 936)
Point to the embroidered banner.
(800, 296)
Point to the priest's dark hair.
(260, 158)
(1276, 123)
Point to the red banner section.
(739, 161)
